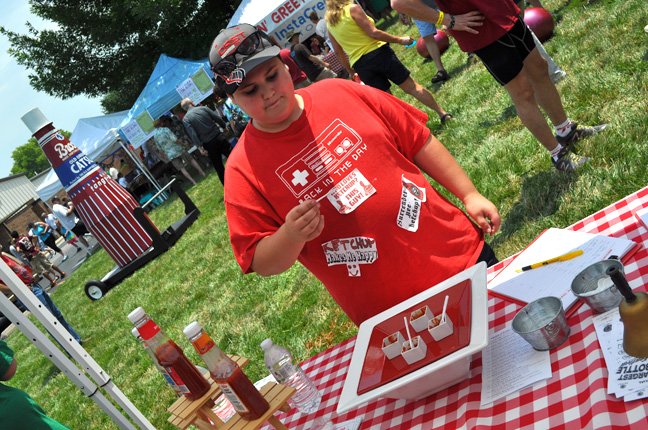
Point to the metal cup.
(542, 323)
(596, 288)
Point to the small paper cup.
(440, 330)
(392, 345)
(420, 317)
(412, 355)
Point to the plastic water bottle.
(281, 365)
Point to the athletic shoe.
(441, 76)
(568, 161)
(78, 249)
(576, 133)
(65, 257)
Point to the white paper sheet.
(510, 364)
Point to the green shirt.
(18, 411)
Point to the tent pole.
(142, 168)
(81, 356)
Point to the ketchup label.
(203, 344)
(148, 330)
(178, 381)
(233, 398)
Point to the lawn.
(604, 50)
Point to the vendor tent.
(163, 91)
(278, 17)
(96, 137)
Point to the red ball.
(540, 21)
(441, 39)
(421, 48)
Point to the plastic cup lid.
(135, 332)
(266, 344)
(136, 315)
(192, 329)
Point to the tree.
(30, 158)
(110, 47)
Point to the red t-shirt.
(353, 149)
(499, 18)
(296, 73)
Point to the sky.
(18, 97)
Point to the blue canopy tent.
(160, 93)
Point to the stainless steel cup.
(596, 288)
(542, 323)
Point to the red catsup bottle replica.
(104, 206)
(191, 383)
(238, 389)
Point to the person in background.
(370, 55)
(299, 78)
(52, 222)
(428, 30)
(364, 220)
(167, 142)
(44, 234)
(320, 29)
(315, 69)
(18, 255)
(18, 411)
(68, 219)
(205, 127)
(506, 47)
(30, 250)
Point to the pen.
(564, 257)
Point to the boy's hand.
(304, 222)
(483, 212)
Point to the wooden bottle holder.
(185, 412)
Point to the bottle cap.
(192, 329)
(136, 315)
(135, 332)
(35, 120)
(266, 344)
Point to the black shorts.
(379, 67)
(504, 58)
(80, 229)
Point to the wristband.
(452, 21)
(440, 20)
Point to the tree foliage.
(30, 158)
(110, 47)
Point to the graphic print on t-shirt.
(350, 192)
(351, 251)
(412, 196)
(308, 174)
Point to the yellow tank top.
(352, 38)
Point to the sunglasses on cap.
(249, 46)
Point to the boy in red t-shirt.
(350, 155)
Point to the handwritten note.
(510, 364)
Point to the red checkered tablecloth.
(574, 398)
(331, 58)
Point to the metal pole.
(81, 356)
(141, 166)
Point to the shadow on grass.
(508, 113)
(540, 197)
(51, 374)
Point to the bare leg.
(197, 166)
(413, 88)
(83, 241)
(47, 276)
(187, 175)
(62, 273)
(545, 90)
(522, 94)
(434, 51)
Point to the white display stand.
(58, 358)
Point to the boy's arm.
(435, 160)
(276, 253)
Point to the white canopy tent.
(277, 17)
(97, 137)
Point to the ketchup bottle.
(160, 369)
(190, 381)
(238, 389)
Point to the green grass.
(602, 47)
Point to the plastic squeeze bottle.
(160, 369)
(170, 356)
(238, 389)
(281, 365)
